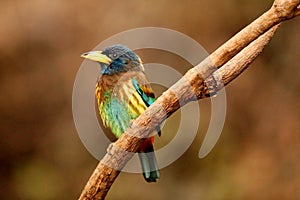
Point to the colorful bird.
(122, 94)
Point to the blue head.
(115, 59)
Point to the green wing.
(146, 94)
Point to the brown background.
(42, 157)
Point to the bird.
(122, 94)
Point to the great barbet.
(122, 94)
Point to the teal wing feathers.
(148, 97)
(146, 94)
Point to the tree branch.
(199, 82)
(234, 67)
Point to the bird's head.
(115, 59)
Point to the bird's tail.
(148, 162)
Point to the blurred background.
(42, 157)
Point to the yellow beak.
(97, 56)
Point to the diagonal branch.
(220, 68)
(234, 67)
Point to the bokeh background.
(42, 157)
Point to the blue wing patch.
(147, 100)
